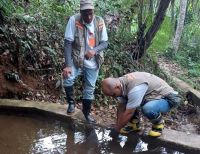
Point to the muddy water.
(26, 134)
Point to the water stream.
(34, 134)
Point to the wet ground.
(42, 134)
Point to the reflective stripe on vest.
(100, 25)
(79, 25)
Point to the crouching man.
(140, 89)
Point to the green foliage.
(191, 39)
(119, 6)
(134, 26)
(40, 37)
(190, 47)
(7, 7)
(37, 30)
(118, 61)
(188, 55)
(107, 6)
(162, 39)
(47, 14)
(52, 14)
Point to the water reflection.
(124, 144)
(141, 146)
(39, 136)
(49, 141)
(82, 139)
(49, 144)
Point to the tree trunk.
(1, 17)
(180, 25)
(144, 40)
(151, 7)
(158, 20)
(172, 14)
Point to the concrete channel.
(170, 136)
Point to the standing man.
(140, 89)
(85, 39)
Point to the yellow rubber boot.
(156, 129)
(133, 125)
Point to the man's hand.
(90, 54)
(113, 133)
(67, 71)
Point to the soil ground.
(42, 87)
(188, 115)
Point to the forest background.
(142, 34)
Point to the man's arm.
(135, 97)
(68, 53)
(123, 116)
(69, 38)
(96, 50)
(103, 45)
(104, 40)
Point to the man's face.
(116, 92)
(87, 15)
(113, 92)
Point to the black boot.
(87, 109)
(70, 99)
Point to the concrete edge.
(172, 136)
(191, 94)
(181, 138)
(53, 108)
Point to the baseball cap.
(86, 4)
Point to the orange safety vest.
(78, 47)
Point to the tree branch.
(158, 20)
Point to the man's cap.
(86, 4)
